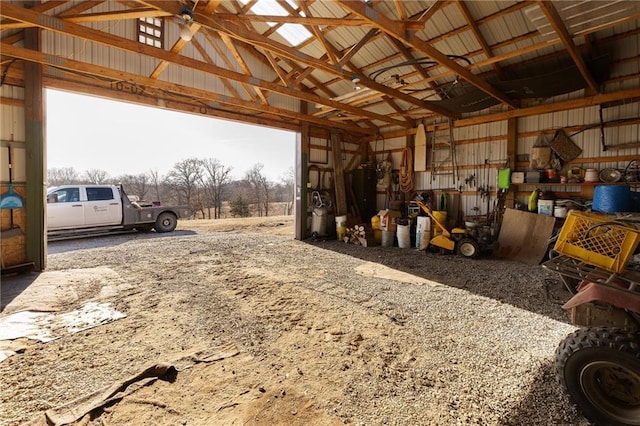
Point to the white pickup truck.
(90, 209)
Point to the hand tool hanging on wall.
(10, 200)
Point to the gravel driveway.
(321, 333)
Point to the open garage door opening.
(218, 169)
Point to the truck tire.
(166, 222)
(600, 370)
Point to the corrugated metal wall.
(481, 150)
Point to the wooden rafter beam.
(305, 74)
(274, 64)
(221, 55)
(475, 28)
(551, 108)
(99, 17)
(180, 43)
(210, 99)
(152, 96)
(392, 29)
(40, 8)
(515, 52)
(310, 20)
(356, 47)
(428, 14)
(294, 54)
(402, 12)
(344, 59)
(233, 50)
(328, 48)
(54, 24)
(205, 55)
(567, 40)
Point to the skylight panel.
(293, 33)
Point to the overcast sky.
(86, 133)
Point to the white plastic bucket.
(387, 238)
(404, 236)
(341, 226)
(545, 207)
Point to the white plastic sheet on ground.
(48, 326)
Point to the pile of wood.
(356, 235)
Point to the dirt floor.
(233, 322)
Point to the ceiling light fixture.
(356, 80)
(185, 32)
(187, 14)
(185, 27)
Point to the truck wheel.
(467, 247)
(166, 222)
(600, 370)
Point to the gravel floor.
(326, 332)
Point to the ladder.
(443, 153)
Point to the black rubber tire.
(166, 222)
(600, 370)
(467, 247)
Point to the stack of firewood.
(356, 235)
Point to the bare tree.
(288, 182)
(96, 176)
(260, 187)
(184, 179)
(215, 178)
(135, 184)
(62, 176)
(155, 179)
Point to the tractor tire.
(600, 370)
(166, 222)
(467, 247)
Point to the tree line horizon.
(204, 185)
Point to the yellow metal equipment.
(454, 240)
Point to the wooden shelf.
(582, 190)
(591, 184)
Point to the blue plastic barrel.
(611, 198)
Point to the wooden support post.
(338, 174)
(36, 250)
(302, 180)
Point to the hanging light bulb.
(185, 32)
(356, 80)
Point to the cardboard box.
(388, 219)
(517, 177)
